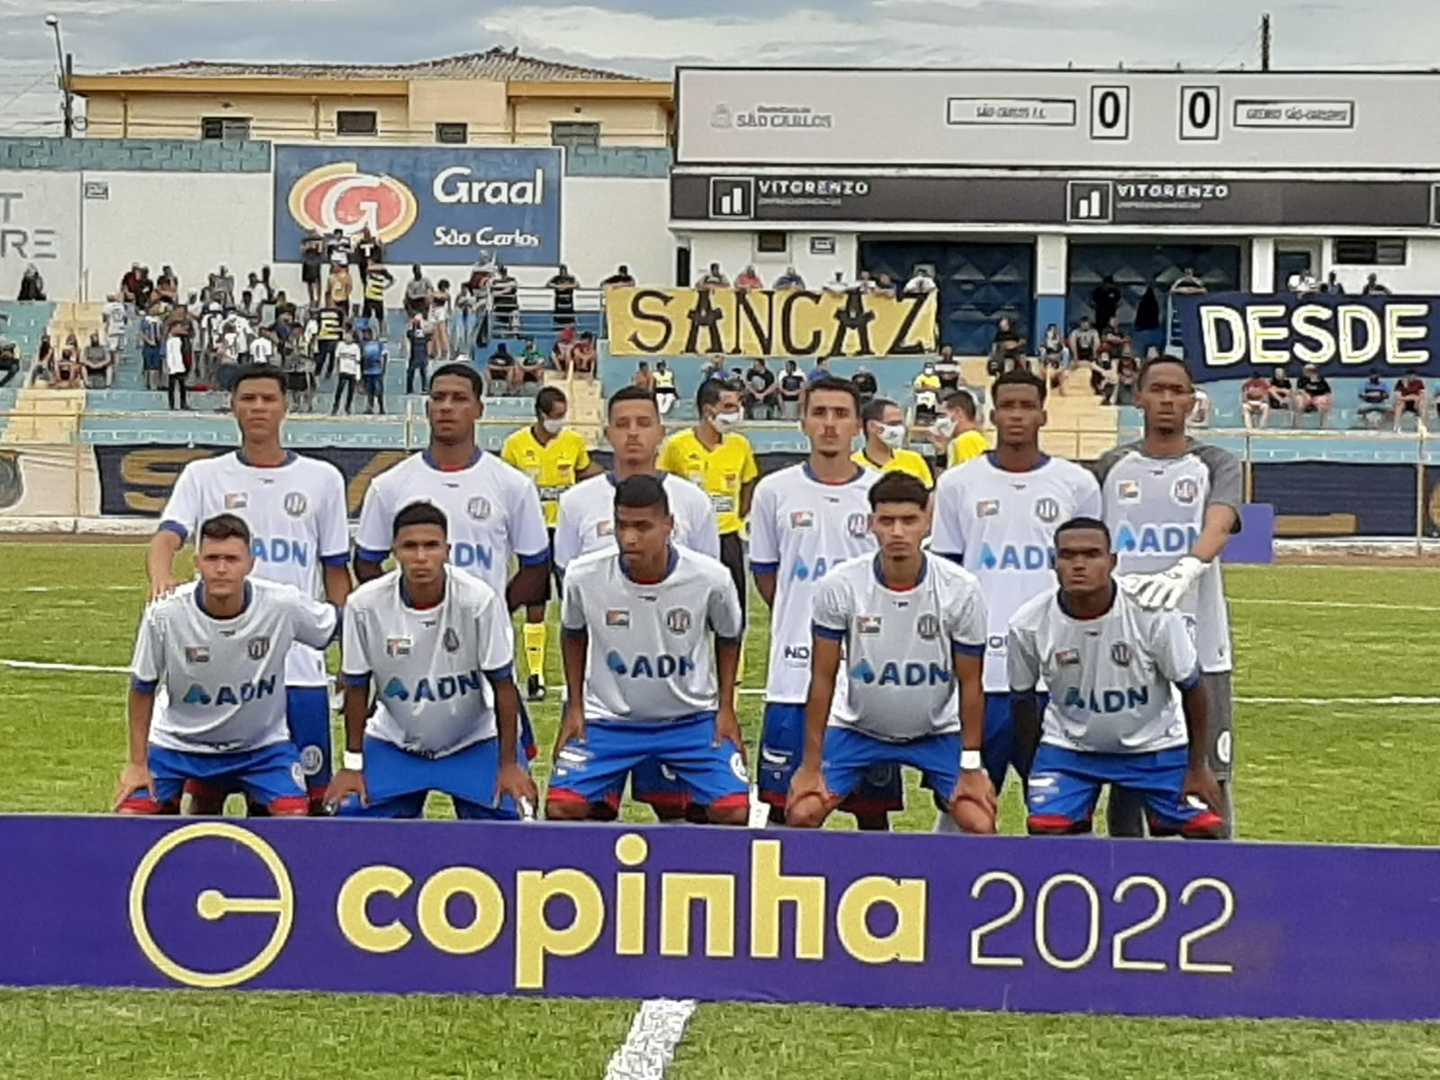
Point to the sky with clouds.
(648, 37)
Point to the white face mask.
(944, 427)
(892, 435)
(554, 427)
(726, 421)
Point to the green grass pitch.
(1341, 773)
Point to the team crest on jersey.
(197, 654)
(617, 617)
(1120, 653)
(867, 624)
(1129, 491)
(677, 620)
(1185, 491)
(928, 626)
(478, 508)
(987, 508)
(295, 503)
(857, 525)
(1047, 510)
(451, 640)
(802, 519)
(1067, 657)
(258, 648)
(398, 646)
(311, 758)
(236, 500)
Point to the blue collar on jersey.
(810, 474)
(1065, 608)
(615, 480)
(200, 602)
(990, 457)
(429, 460)
(290, 457)
(405, 593)
(670, 561)
(880, 570)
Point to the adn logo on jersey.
(1162, 539)
(1017, 557)
(894, 673)
(441, 689)
(465, 555)
(803, 571)
(660, 666)
(798, 654)
(1108, 701)
(280, 549)
(230, 695)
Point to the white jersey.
(900, 646)
(649, 655)
(298, 526)
(1114, 681)
(1155, 509)
(801, 529)
(1001, 526)
(493, 512)
(585, 521)
(219, 683)
(431, 668)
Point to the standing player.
(437, 646)
(643, 687)
(1172, 505)
(554, 459)
(911, 630)
(205, 706)
(884, 450)
(295, 509)
(996, 516)
(808, 519)
(1126, 704)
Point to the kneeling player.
(641, 682)
(436, 643)
(217, 649)
(1126, 708)
(912, 630)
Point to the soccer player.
(1172, 505)
(719, 461)
(884, 450)
(912, 632)
(295, 510)
(642, 684)
(996, 516)
(806, 520)
(555, 459)
(1126, 706)
(437, 646)
(205, 703)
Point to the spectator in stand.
(152, 348)
(947, 367)
(167, 286)
(864, 284)
(339, 287)
(563, 285)
(532, 362)
(347, 363)
(417, 351)
(130, 286)
(1127, 377)
(621, 279)
(1333, 285)
(922, 283)
(377, 280)
(69, 374)
(1255, 401)
(885, 285)
(312, 258)
(927, 388)
(1147, 324)
(441, 309)
(262, 347)
(145, 288)
(665, 392)
(44, 369)
(749, 279)
(337, 248)
(32, 285)
(865, 384)
(1375, 404)
(266, 287)
(1102, 376)
(503, 371)
(714, 278)
(9, 361)
(585, 356)
(1105, 299)
(1282, 391)
(821, 370)
(299, 380)
(1054, 357)
(462, 327)
(98, 364)
(269, 312)
(1373, 287)
(836, 286)
(790, 279)
(1084, 342)
(115, 316)
(1007, 351)
(1113, 340)
(220, 288)
(1313, 394)
(372, 372)
(1410, 398)
(564, 345)
(418, 291)
(644, 378)
(175, 368)
(329, 324)
(503, 293)
(762, 392)
(792, 385)
(368, 252)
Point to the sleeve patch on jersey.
(827, 632)
(176, 528)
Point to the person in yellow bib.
(718, 459)
(884, 449)
(957, 432)
(555, 459)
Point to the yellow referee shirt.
(966, 447)
(721, 472)
(906, 461)
(553, 467)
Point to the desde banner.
(1082, 925)
(1237, 335)
(430, 205)
(766, 322)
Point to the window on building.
(225, 127)
(356, 122)
(574, 136)
(452, 133)
(1369, 251)
(771, 243)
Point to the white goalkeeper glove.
(1165, 590)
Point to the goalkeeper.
(1172, 505)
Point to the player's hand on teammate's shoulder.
(516, 783)
(727, 729)
(134, 778)
(572, 727)
(345, 783)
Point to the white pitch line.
(1333, 604)
(1338, 700)
(71, 588)
(36, 665)
(650, 1046)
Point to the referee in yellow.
(885, 437)
(719, 459)
(555, 459)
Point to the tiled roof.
(495, 64)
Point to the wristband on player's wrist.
(354, 760)
(970, 761)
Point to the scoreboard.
(1082, 119)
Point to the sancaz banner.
(427, 204)
(1157, 928)
(764, 322)
(1234, 335)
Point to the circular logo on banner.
(340, 196)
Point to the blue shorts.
(782, 747)
(270, 776)
(398, 781)
(592, 770)
(1064, 785)
(307, 711)
(999, 750)
(850, 755)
